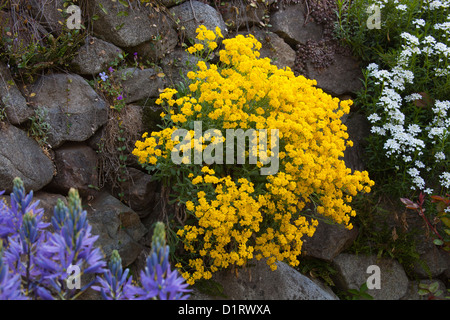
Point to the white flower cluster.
(408, 141)
(438, 4)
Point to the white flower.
(378, 130)
(410, 39)
(439, 156)
(413, 97)
(374, 118)
(436, 4)
(414, 129)
(435, 131)
(416, 178)
(372, 67)
(439, 72)
(419, 23)
(429, 40)
(442, 26)
(445, 179)
(442, 48)
(428, 191)
(441, 107)
(407, 159)
(402, 7)
(419, 164)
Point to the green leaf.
(124, 3)
(103, 8)
(120, 26)
(422, 292)
(438, 242)
(433, 287)
(122, 14)
(366, 296)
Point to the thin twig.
(193, 11)
(307, 12)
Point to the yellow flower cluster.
(206, 39)
(158, 145)
(244, 91)
(224, 225)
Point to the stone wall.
(78, 117)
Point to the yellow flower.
(219, 32)
(212, 45)
(231, 217)
(190, 205)
(191, 50)
(197, 180)
(198, 46)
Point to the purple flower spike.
(158, 280)
(115, 283)
(35, 263)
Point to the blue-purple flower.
(39, 258)
(9, 282)
(115, 283)
(71, 244)
(34, 262)
(157, 279)
(103, 76)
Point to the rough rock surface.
(75, 168)
(75, 110)
(176, 65)
(118, 227)
(140, 84)
(238, 15)
(259, 282)
(328, 241)
(21, 156)
(358, 130)
(95, 56)
(352, 273)
(139, 192)
(289, 23)
(274, 47)
(136, 29)
(343, 76)
(16, 108)
(195, 13)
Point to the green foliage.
(116, 142)
(39, 127)
(405, 94)
(432, 291)
(211, 288)
(356, 294)
(381, 235)
(439, 224)
(2, 113)
(371, 44)
(317, 269)
(29, 59)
